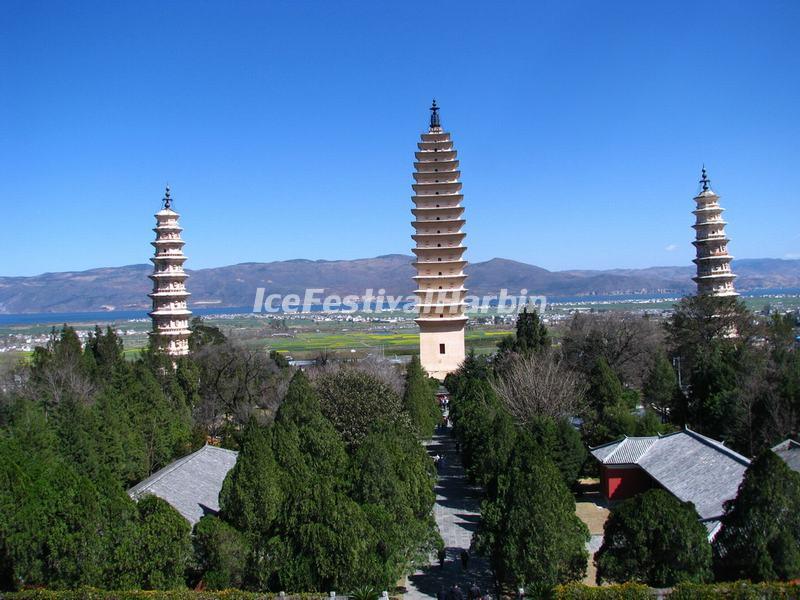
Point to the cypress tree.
(419, 400)
(760, 534)
(655, 539)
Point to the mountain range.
(126, 288)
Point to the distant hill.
(126, 288)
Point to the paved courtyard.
(457, 513)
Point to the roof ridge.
(787, 443)
(611, 443)
(717, 445)
(213, 447)
(615, 450)
(161, 473)
(622, 443)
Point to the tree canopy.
(760, 534)
(655, 539)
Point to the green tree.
(203, 334)
(419, 400)
(610, 414)
(279, 358)
(760, 534)
(531, 334)
(164, 547)
(221, 554)
(561, 443)
(654, 538)
(354, 401)
(530, 531)
(50, 517)
(393, 478)
(252, 494)
(714, 409)
(105, 351)
(659, 387)
(700, 321)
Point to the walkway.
(457, 512)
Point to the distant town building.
(439, 251)
(170, 312)
(789, 451)
(690, 466)
(191, 485)
(714, 274)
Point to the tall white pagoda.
(170, 312)
(439, 251)
(714, 274)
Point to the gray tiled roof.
(628, 450)
(789, 451)
(190, 484)
(690, 466)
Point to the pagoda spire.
(170, 313)
(435, 122)
(704, 180)
(439, 251)
(714, 275)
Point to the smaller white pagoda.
(714, 274)
(170, 312)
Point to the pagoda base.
(441, 348)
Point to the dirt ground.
(592, 509)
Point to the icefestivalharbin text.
(315, 300)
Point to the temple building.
(714, 275)
(692, 467)
(439, 251)
(170, 312)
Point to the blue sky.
(287, 129)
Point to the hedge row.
(740, 590)
(627, 591)
(95, 594)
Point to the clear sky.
(287, 129)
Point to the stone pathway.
(457, 513)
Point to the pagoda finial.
(704, 179)
(435, 123)
(167, 200)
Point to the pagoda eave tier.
(437, 291)
(445, 322)
(449, 201)
(452, 238)
(710, 276)
(718, 257)
(172, 312)
(168, 260)
(430, 189)
(428, 156)
(461, 276)
(168, 294)
(455, 262)
(710, 241)
(444, 166)
(432, 211)
(177, 333)
(442, 144)
(457, 223)
(447, 251)
(449, 176)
